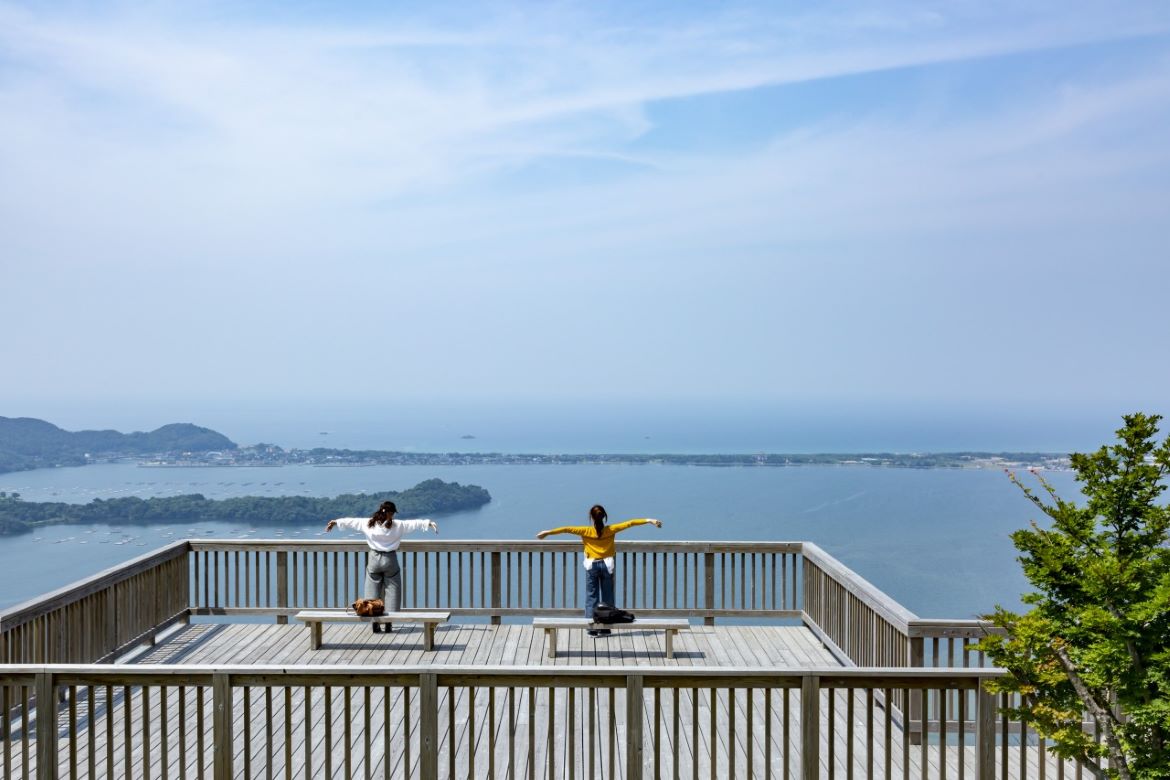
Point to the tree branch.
(1104, 715)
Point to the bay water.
(936, 540)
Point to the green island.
(432, 497)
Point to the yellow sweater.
(598, 547)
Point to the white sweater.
(380, 537)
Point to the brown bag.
(369, 607)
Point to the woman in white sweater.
(383, 534)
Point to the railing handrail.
(48, 602)
(891, 676)
(498, 545)
(946, 628)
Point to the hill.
(28, 443)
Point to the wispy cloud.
(516, 154)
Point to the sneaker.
(593, 632)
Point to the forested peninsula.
(432, 497)
(28, 443)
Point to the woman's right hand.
(331, 525)
(542, 534)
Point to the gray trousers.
(384, 579)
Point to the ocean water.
(616, 427)
(935, 540)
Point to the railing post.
(46, 726)
(634, 714)
(914, 710)
(282, 584)
(984, 734)
(810, 728)
(709, 588)
(222, 717)
(496, 598)
(428, 727)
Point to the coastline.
(350, 458)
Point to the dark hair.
(598, 516)
(384, 515)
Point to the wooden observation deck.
(183, 663)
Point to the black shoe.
(377, 629)
(603, 632)
(387, 628)
(593, 632)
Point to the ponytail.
(384, 515)
(598, 516)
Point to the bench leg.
(428, 636)
(670, 632)
(315, 636)
(551, 635)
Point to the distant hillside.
(432, 497)
(27, 443)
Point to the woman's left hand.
(435, 527)
(657, 523)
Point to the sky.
(833, 205)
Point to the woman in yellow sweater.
(599, 555)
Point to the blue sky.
(716, 203)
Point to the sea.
(936, 540)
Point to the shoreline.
(269, 459)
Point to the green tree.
(1094, 643)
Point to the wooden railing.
(102, 616)
(857, 621)
(708, 580)
(500, 578)
(431, 722)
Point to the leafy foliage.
(432, 497)
(1094, 642)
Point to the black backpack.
(607, 613)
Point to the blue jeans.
(598, 587)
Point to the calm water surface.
(935, 540)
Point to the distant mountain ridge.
(28, 443)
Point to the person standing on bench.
(383, 534)
(599, 556)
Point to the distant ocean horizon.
(620, 428)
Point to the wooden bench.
(671, 625)
(315, 619)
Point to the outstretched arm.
(619, 527)
(576, 530)
(425, 524)
(352, 523)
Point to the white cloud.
(315, 168)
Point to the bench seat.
(670, 625)
(316, 618)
